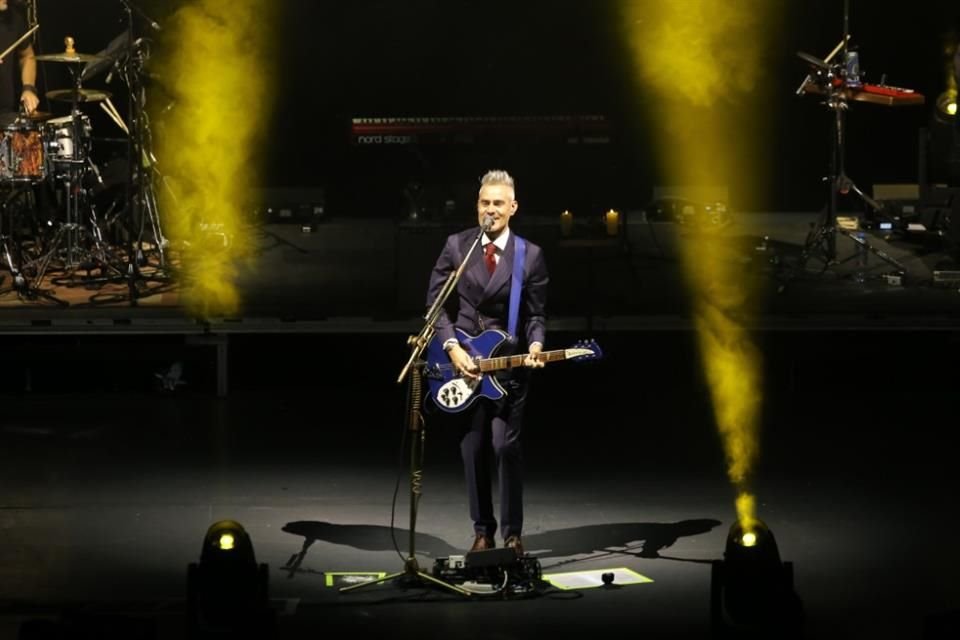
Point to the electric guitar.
(453, 392)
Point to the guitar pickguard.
(456, 393)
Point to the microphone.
(487, 223)
(134, 8)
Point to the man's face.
(496, 200)
(3, 5)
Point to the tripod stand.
(837, 83)
(414, 367)
(141, 207)
(19, 201)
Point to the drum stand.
(19, 281)
(71, 170)
(821, 242)
(72, 234)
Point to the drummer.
(13, 24)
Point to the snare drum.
(64, 143)
(22, 152)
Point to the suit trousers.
(491, 438)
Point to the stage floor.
(105, 495)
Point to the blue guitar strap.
(520, 254)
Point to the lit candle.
(566, 223)
(612, 220)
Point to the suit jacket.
(482, 301)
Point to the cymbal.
(81, 95)
(26, 120)
(69, 57)
(37, 116)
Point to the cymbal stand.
(821, 242)
(144, 212)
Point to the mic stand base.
(822, 238)
(412, 576)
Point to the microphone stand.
(140, 196)
(823, 234)
(132, 8)
(415, 423)
(134, 175)
(421, 340)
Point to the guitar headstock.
(584, 350)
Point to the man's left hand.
(533, 357)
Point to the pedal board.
(491, 558)
(502, 568)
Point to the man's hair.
(497, 176)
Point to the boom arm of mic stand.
(877, 206)
(422, 339)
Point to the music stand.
(835, 82)
(415, 423)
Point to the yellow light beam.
(699, 63)
(217, 69)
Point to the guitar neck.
(509, 362)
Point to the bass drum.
(22, 152)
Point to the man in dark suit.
(482, 302)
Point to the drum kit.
(51, 231)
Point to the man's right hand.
(463, 363)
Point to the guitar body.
(447, 388)
(453, 393)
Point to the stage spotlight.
(227, 591)
(751, 588)
(947, 104)
(945, 111)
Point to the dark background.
(367, 58)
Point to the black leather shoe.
(514, 542)
(482, 543)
